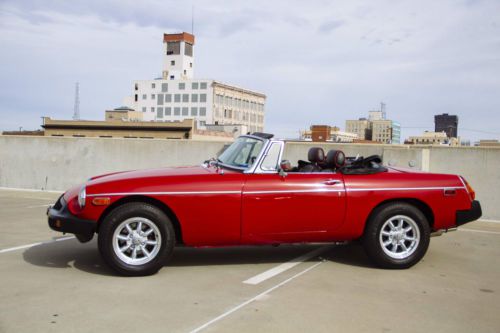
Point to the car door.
(292, 207)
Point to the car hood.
(149, 173)
(158, 180)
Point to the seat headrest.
(335, 159)
(316, 155)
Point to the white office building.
(177, 95)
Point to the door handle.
(331, 182)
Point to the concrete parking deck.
(64, 286)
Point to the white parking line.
(35, 244)
(481, 231)
(236, 308)
(285, 266)
(489, 221)
(36, 206)
(28, 190)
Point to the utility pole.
(76, 109)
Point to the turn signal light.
(470, 190)
(101, 201)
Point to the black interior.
(335, 160)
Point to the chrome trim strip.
(162, 193)
(401, 189)
(320, 190)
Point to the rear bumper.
(472, 214)
(60, 219)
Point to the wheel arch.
(421, 205)
(155, 202)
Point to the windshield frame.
(258, 159)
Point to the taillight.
(470, 190)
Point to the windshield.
(242, 153)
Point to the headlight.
(81, 197)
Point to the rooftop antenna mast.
(76, 109)
(382, 108)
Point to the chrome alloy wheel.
(136, 241)
(399, 237)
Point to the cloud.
(318, 62)
(329, 26)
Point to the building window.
(144, 96)
(164, 87)
(203, 98)
(172, 62)
(185, 72)
(194, 98)
(194, 85)
(188, 49)
(177, 98)
(191, 65)
(168, 111)
(185, 111)
(153, 96)
(185, 98)
(153, 85)
(159, 112)
(152, 109)
(203, 85)
(143, 109)
(173, 48)
(136, 97)
(168, 98)
(177, 111)
(203, 111)
(202, 123)
(160, 99)
(182, 86)
(194, 111)
(172, 77)
(136, 86)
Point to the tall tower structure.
(178, 61)
(76, 108)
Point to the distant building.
(362, 128)
(386, 131)
(376, 128)
(185, 129)
(489, 143)
(177, 95)
(376, 115)
(123, 114)
(433, 138)
(323, 133)
(446, 123)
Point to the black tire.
(139, 210)
(409, 215)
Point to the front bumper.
(472, 214)
(60, 219)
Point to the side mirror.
(282, 173)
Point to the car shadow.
(86, 257)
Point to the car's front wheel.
(136, 239)
(397, 235)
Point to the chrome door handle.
(331, 182)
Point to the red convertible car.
(250, 196)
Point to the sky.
(318, 62)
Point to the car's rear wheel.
(397, 235)
(136, 239)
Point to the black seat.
(316, 156)
(334, 159)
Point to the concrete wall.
(55, 163)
